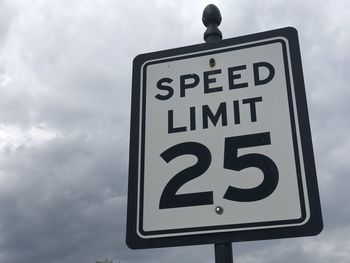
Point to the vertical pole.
(223, 253)
(211, 19)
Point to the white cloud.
(13, 137)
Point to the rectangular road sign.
(220, 144)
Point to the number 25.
(169, 197)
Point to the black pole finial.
(211, 19)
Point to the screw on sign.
(219, 143)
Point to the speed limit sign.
(220, 144)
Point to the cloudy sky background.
(65, 85)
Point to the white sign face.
(220, 145)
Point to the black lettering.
(232, 77)
(171, 128)
(184, 86)
(252, 102)
(208, 114)
(257, 80)
(236, 112)
(208, 80)
(192, 118)
(169, 89)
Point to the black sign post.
(211, 19)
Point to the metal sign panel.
(220, 144)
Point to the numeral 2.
(169, 198)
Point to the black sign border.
(314, 224)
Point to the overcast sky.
(65, 86)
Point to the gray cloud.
(66, 199)
(7, 14)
